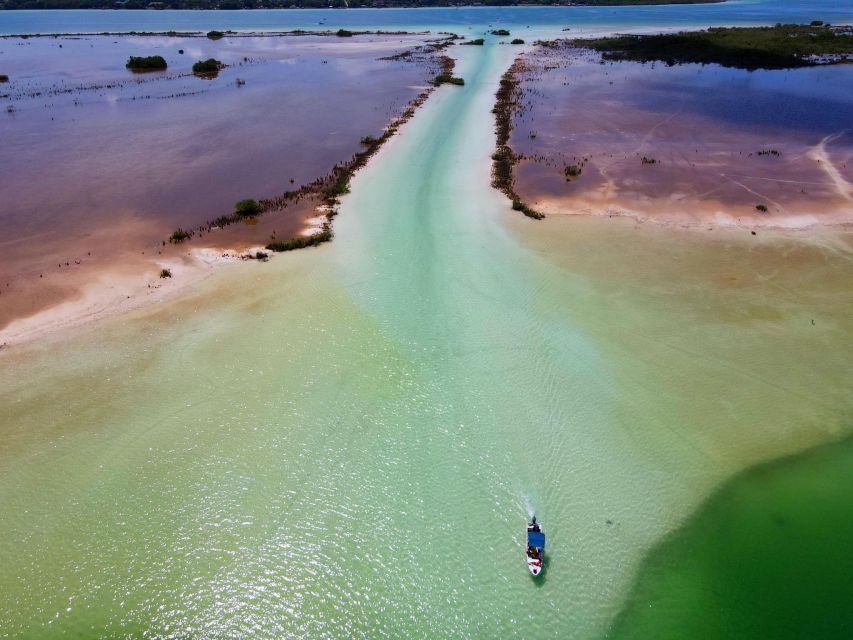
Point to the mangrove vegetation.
(209, 67)
(146, 63)
(444, 78)
(778, 47)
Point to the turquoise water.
(347, 441)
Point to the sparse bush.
(146, 63)
(572, 171)
(300, 242)
(518, 205)
(247, 208)
(179, 235)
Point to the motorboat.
(535, 547)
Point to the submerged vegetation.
(444, 78)
(778, 47)
(146, 63)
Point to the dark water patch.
(768, 556)
(801, 101)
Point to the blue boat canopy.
(535, 539)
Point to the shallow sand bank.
(688, 145)
(103, 164)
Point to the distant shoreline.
(237, 5)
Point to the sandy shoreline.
(710, 218)
(119, 290)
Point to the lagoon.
(346, 441)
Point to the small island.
(209, 67)
(146, 63)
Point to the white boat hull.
(534, 566)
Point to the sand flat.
(686, 145)
(102, 164)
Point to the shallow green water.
(346, 442)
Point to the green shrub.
(343, 33)
(179, 235)
(572, 171)
(207, 67)
(247, 208)
(518, 205)
(444, 78)
(215, 35)
(300, 242)
(146, 63)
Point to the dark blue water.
(458, 19)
